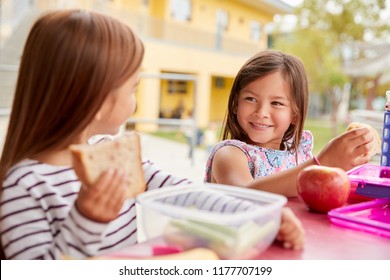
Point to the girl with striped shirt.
(77, 78)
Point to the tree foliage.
(347, 20)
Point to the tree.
(323, 32)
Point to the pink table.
(325, 240)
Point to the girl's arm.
(156, 178)
(32, 230)
(348, 150)
(230, 165)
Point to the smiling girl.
(264, 145)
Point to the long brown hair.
(71, 60)
(258, 66)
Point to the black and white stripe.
(39, 219)
(210, 201)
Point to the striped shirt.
(39, 220)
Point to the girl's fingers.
(361, 139)
(103, 201)
(358, 144)
(291, 232)
(108, 182)
(118, 178)
(294, 238)
(117, 186)
(296, 245)
(103, 181)
(357, 133)
(119, 198)
(288, 215)
(117, 190)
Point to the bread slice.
(376, 144)
(89, 161)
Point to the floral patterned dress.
(264, 161)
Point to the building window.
(222, 19)
(255, 31)
(175, 86)
(219, 82)
(180, 9)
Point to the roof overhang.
(270, 6)
(370, 66)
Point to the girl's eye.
(276, 103)
(251, 99)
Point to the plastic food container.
(372, 216)
(234, 222)
(369, 181)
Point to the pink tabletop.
(324, 240)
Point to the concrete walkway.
(169, 155)
(172, 157)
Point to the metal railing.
(189, 122)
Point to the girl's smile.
(259, 126)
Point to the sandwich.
(89, 161)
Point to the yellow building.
(203, 42)
(208, 40)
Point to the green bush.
(322, 132)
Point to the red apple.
(323, 188)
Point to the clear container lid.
(211, 202)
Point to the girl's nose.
(261, 111)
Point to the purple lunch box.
(372, 216)
(370, 180)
